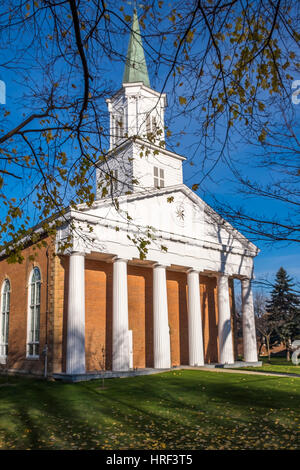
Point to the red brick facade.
(98, 313)
(19, 277)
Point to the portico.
(160, 328)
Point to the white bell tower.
(137, 158)
(136, 110)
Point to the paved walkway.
(240, 371)
(133, 373)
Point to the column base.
(200, 364)
(64, 377)
(239, 364)
(121, 369)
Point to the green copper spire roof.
(136, 67)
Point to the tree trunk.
(288, 350)
(268, 348)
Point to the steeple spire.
(136, 66)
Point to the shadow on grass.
(188, 409)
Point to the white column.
(161, 332)
(196, 357)
(120, 349)
(249, 330)
(76, 316)
(224, 323)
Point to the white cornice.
(140, 85)
(137, 140)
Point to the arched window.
(33, 341)
(4, 321)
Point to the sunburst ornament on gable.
(179, 215)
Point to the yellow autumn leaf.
(182, 100)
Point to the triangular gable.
(173, 210)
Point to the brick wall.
(98, 304)
(178, 319)
(18, 275)
(140, 313)
(209, 309)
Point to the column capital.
(246, 278)
(222, 275)
(160, 265)
(118, 258)
(194, 270)
(77, 253)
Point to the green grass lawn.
(277, 364)
(186, 409)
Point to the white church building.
(174, 307)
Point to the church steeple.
(137, 156)
(136, 66)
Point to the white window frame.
(4, 320)
(33, 317)
(114, 182)
(159, 177)
(154, 125)
(118, 127)
(148, 123)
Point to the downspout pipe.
(45, 351)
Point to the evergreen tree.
(284, 309)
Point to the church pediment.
(175, 213)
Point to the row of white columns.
(161, 334)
